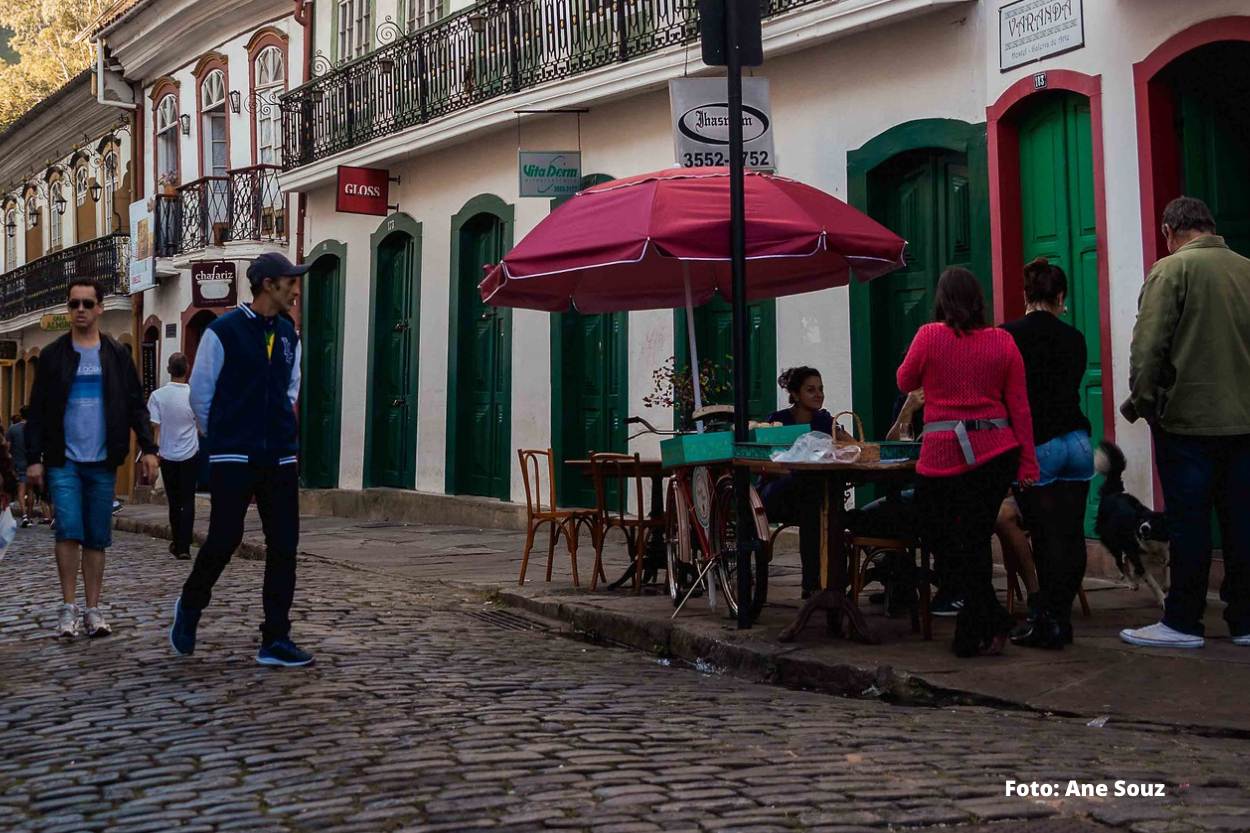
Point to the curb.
(247, 550)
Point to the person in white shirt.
(170, 411)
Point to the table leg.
(656, 557)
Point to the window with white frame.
(56, 206)
(355, 28)
(167, 139)
(110, 190)
(31, 212)
(421, 13)
(80, 185)
(270, 75)
(213, 120)
(10, 239)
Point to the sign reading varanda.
(1030, 30)
(547, 173)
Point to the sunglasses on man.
(85, 303)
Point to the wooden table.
(834, 479)
(657, 556)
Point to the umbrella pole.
(694, 347)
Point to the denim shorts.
(1068, 457)
(82, 495)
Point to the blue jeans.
(1200, 474)
(83, 496)
(1069, 457)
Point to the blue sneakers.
(283, 653)
(182, 631)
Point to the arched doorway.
(589, 388)
(391, 435)
(193, 330)
(480, 362)
(322, 350)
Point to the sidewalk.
(1098, 676)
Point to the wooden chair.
(625, 469)
(863, 549)
(540, 510)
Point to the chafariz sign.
(550, 173)
(1030, 30)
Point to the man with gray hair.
(169, 408)
(1188, 374)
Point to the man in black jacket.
(86, 400)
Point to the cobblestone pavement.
(429, 710)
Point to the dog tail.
(1109, 460)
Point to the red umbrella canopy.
(631, 244)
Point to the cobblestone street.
(431, 710)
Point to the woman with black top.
(1054, 363)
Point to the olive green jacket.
(1189, 369)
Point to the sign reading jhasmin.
(1030, 30)
(550, 173)
(700, 108)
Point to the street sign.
(549, 173)
(712, 32)
(213, 283)
(362, 191)
(142, 272)
(700, 109)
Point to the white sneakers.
(1243, 640)
(1160, 635)
(71, 622)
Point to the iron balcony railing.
(43, 283)
(245, 204)
(491, 49)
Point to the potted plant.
(167, 183)
(673, 387)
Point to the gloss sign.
(700, 109)
(362, 190)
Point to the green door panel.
(392, 436)
(483, 386)
(1058, 223)
(713, 327)
(594, 368)
(320, 393)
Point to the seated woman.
(786, 498)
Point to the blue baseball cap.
(272, 265)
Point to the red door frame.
(1006, 231)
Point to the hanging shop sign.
(1030, 30)
(54, 322)
(549, 173)
(213, 283)
(142, 271)
(362, 190)
(700, 108)
(8, 353)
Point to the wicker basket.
(868, 452)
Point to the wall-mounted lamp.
(186, 124)
(477, 23)
(386, 63)
(236, 102)
(10, 228)
(318, 95)
(94, 190)
(59, 204)
(32, 213)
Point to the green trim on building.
(337, 249)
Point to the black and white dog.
(1136, 537)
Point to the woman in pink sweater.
(978, 438)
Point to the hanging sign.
(1030, 30)
(550, 173)
(213, 283)
(8, 353)
(54, 322)
(700, 108)
(142, 272)
(362, 190)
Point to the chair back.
(533, 462)
(610, 465)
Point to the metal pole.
(737, 253)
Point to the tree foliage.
(44, 33)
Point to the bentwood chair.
(614, 512)
(864, 550)
(540, 510)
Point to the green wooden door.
(1215, 157)
(392, 437)
(924, 197)
(713, 327)
(1058, 223)
(321, 315)
(594, 379)
(483, 386)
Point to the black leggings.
(1056, 519)
(957, 520)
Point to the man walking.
(16, 437)
(243, 391)
(1188, 375)
(86, 400)
(170, 410)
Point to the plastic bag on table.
(816, 447)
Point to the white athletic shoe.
(68, 623)
(1243, 640)
(1160, 635)
(93, 623)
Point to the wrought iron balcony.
(42, 284)
(245, 204)
(491, 49)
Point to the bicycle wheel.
(726, 547)
(677, 534)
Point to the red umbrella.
(661, 240)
